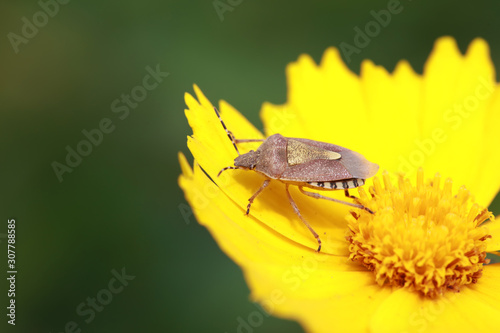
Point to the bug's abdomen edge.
(338, 184)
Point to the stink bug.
(304, 163)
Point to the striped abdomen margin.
(339, 184)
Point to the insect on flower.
(304, 163)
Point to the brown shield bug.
(304, 163)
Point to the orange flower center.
(423, 237)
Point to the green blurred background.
(120, 207)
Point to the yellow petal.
(327, 103)
(474, 309)
(391, 100)
(488, 178)
(341, 312)
(458, 91)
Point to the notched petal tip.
(478, 57)
(445, 43)
(368, 68)
(334, 66)
(304, 63)
(331, 55)
(403, 67)
(190, 101)
(306, 59)
(201, 97)
(444, 52)
(479, 46)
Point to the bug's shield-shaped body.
(308, 163)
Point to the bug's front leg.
(252, 198)
(297, 211)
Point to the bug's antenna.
(229, 134)
(227, 168)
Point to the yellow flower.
(418, 263)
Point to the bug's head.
(247, 161)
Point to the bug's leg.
(227, 168)
(296, 209)
(319, 196)
(346, 192)
(252, 198)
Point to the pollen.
(423, 237)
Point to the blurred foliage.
(121, 206)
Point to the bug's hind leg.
(296, 210)
(319, 196)
(252, 198)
